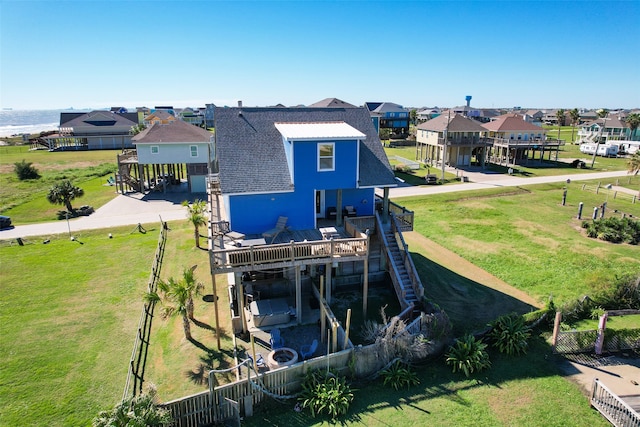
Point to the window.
(194, 150)
(325, 157)
(155, 149)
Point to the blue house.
(302, 163)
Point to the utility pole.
(604, 123)
(444, 144)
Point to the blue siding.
(256, 213)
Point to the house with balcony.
(516, 141)
(453, 138)
(387, 115)
(94, 130)
(294, 210)
(161, 116)
(604, 130)
(171, 156)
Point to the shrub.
(400, 375)
(324, 392)
(468, 355)
(614, 230)
(136, 411)
(25, 170)
(510, 334)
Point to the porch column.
(327, 269)
(365, 287)
(339, 222)
(237, 277)
(298, 295)
(385, 205)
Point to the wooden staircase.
(398, 269)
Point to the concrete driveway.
(129, 209)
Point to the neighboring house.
(427, 114)
(159, 116)
(455, 138)
(191, 116)
(169, 153)
(533, 116)
(95, 130)
(209, 114)
(298, 163)
(614, 129)
(388, 115)
(514, 140)
(332, 103)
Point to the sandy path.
(459, 265)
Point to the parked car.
(431, 179)
(5, 222)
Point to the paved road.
(132, 209)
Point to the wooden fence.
(614, 409)
(223, 402)
(614, 194)
(138, 360)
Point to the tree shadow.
(209, 361)
(202, 325)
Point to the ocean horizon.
(18, 122)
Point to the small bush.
(510, 334)
(614, 230)
(25, 170)
(468, 355)
(325, 393)
(400, 375)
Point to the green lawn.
(527, 238)
(519, 391)
(25, 201)
(68, 320)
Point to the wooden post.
(334, 332)
(346, 331)
(556, 329)
(253, 352)
(601, 328)
(328, 270)
(298, 295)
(322, 317)
(365, 288)
(215, 308)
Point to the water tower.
(468, 99)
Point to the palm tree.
(633, 165)
(193, 288)
(560, 117)
(633, 121)
(174, 295)
(134, 411)
(195, 215)
(575, 119)
(62, 193)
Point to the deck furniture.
(281, 225)
(349, 211)
(276, 340)
(308, 350)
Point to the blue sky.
(538, 54)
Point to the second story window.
(194, 150)
(326, 160)
(155, 149)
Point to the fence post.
(600, 339)
(556, 329)
(595, 213)
(580, 206)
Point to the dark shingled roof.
(251, 155)
(172, 132)
(332, 102)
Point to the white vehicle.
(588, 148)
(607, 150)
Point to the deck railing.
(403, 215)
(274, 256)
(614, 409)
(416, 283)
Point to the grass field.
(527, 238)
(25, 201)
(68, 320)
